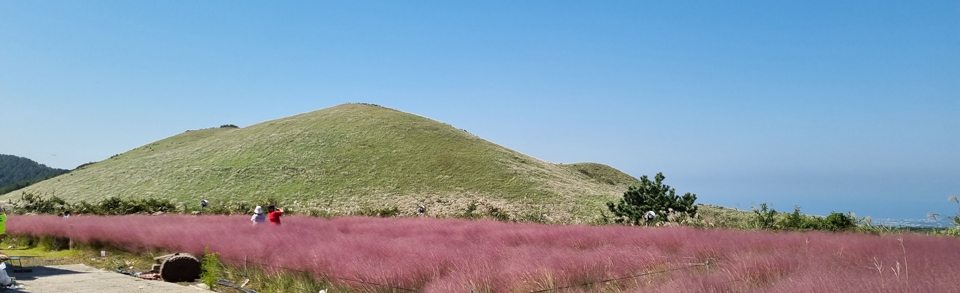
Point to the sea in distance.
(941, 222)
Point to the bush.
(794, 221)
(955, 232)
(118, 206)
(533, 217)
(84, 207)
(651, 196)
(470, 212)
(381, 212)
(34, 203)
(210, 268)
(764, 218)
(838, 222)
(497, 214)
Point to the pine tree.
(651, 196)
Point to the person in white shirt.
(258, 216)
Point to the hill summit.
(341, 160)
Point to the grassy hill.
(341, 160)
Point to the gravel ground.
(83, 278)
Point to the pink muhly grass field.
(450, 255)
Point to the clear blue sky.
(851, 106)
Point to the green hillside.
(341, 160)
(18, 172)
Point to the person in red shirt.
(273, 214)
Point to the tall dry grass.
(450, 255)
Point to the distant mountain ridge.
(19, 171)
(344, 159)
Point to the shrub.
(210, 268)
(838, 222)
(497, 214)
(83, 207)
(319, 213)
(229, 208)
(533, 217)
(794, 221)
(240, 208)
(112, 206)
(118, 206)
(470, 212)
(651, 196)
(154, 205)
(32, 203)
(955, 232)
(764, 218)
(35, 203)
(381, 212)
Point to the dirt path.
(82, 278)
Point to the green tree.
(18, 172)
(838, 222)
(651, 196)
(211, 269)
(765, 218)
(794, 221)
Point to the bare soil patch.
(82, 278)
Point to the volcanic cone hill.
(342, 160)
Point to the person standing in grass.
(273, 214)
(258, 216)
